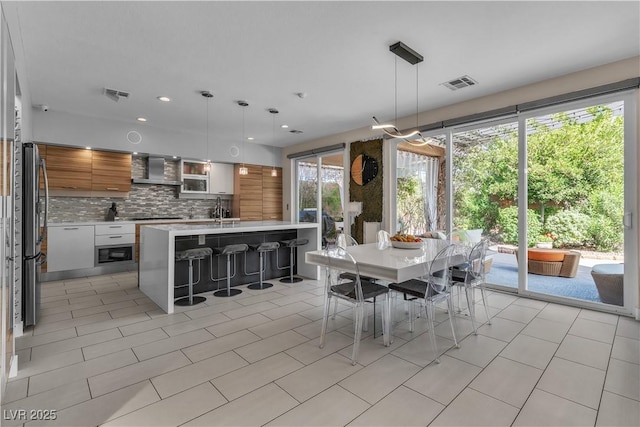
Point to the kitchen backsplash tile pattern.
(144, 201)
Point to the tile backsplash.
(144, 200)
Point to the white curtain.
(425, 169)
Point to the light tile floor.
(103, 354)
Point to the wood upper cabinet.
(247, 200)
(271, 194)
(68, 168)
(110, 171)
(71, 168)
(257, 195)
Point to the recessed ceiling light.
(135, 153)
(175, 157)
(88, 148)
(284, 126)
(250, 138)
(164, 98)
(141, 119)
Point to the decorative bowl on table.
(406, 245)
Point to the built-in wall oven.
(115, 243)
(114, 254)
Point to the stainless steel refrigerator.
(34, 222)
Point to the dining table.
(384, 262)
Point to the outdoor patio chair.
(552, 262)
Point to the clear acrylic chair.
(431, 289)
(344, 241)
(383, 237)
(471, 275)
(354, 292)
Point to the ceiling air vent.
(459, 83)
(295, 131)
(115, 95)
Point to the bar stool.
(292, 244)
(190, 255)
(263, 248)
(228, 251)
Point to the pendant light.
(243, 170)
(207, 95)
(273, 112)
(413, 137)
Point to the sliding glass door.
(579, 185)
(553, 190)
(485, 193)
(321, 193)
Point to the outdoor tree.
(574, 162)
(410, 205)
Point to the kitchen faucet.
(217, 211)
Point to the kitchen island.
(158, 244)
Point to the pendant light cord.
(395, 77)
(243, 136)
(273, 128)
(417, 95)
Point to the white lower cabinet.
(70, 247)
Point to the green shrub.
(571, 228)
(507, 224)
(605, 234)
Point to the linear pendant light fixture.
(413, 137)
(243, 170)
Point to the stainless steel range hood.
(155, 173)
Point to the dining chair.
(471, 275)
(383, 236)
(431, 289)
(343, 241)
(354, 292)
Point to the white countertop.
(238, 227)
(386, 262)
(155, 221)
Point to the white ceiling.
(335, 52)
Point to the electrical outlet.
(201, 239)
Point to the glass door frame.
(508, 118)
(317, 158)
(630, 290)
